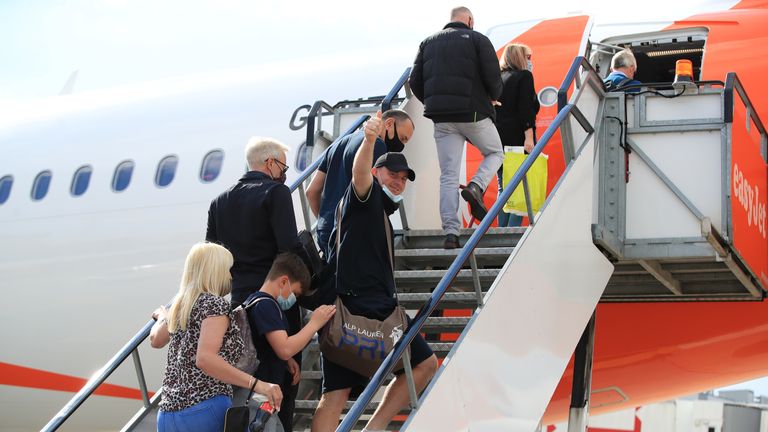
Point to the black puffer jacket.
(456, 75)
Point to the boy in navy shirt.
(287, 279)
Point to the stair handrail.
(571, 76)
(388, 365)
(133, 344)
(386, 102)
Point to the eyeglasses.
(283, 167)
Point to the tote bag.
(537, 181)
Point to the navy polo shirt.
(364, 279)
(265, 317)
(337, 166)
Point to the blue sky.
(118, 42)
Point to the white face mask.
(395, 198)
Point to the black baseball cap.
(395, 162)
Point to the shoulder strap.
(388, 231)
(609, 84)
(264, 298)
(338, 240)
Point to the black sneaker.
(474, 196)
(451, 241)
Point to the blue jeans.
(509, 219)
(506, 219)
(206, 416)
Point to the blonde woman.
(516, 116)
(204, 344)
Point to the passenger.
(623, 69)
(287, 279)
(365, 279)
(516, 116)
(254, 219)
(335, 171)
(456, 75)
(204, 344)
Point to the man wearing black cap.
(365, 281)
(332, 177)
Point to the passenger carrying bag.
(247, 417)
(537, 181)
(358, 343)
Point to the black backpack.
(610, 86)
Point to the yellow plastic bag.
(537, 181)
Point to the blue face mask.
(286, 303)
(530, 66)
(394, 198)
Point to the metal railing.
(387, 367)
(130, 349)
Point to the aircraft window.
(122, 177)
(211, 166)
(81, 180)
(166, 170)
(5, 188)
(40, 185)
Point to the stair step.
(309, 406)
(494, 237)
(450, 300)
(445, 324)
(428, 279)
(439, 348)
(494, 257)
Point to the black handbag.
(249, 417)
(315, 263)
(322, 289)
(237, 418)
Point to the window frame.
(3, 180)
(36, 182)
(202, 166)
(160, 164)
(117, 171)
(75, 176)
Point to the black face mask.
(283, 170)
(394, 144)
(282, 178)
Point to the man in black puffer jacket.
(456, 75)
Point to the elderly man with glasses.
(254, 219)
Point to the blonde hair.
(514, 57)
(260, 149)
(205, 271)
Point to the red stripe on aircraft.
(21, 376)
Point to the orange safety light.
(683, 74)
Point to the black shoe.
(451, 242)
(474, 196)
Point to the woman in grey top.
(204, 344)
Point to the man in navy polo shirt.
(335, 171)
(365, 281)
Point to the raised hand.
(373, 127)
